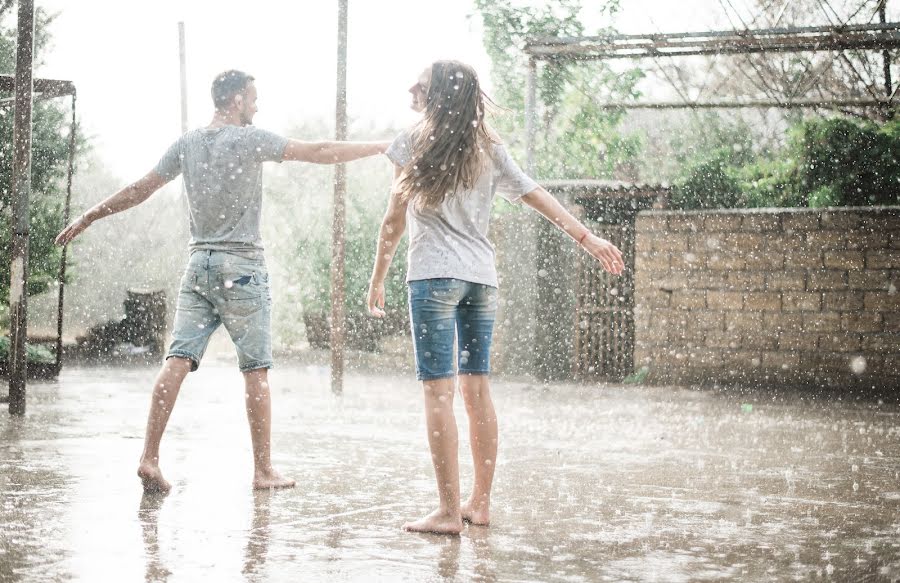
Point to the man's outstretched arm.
(332, 152)
(132, 195)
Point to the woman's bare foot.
(265, 480)
(477, 514)
(152, 479)
(438, 522)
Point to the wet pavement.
(594, 483)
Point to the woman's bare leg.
(483, 439)
(444, 443)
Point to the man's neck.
(225, 118)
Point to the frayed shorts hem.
(448, 375)
(195, 360)
(257, 365)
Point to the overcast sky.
(123, 58)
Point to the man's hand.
(74, 229)
(605, 252)
(375, 299)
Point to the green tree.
(49, 162)
(576, 137)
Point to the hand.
(74, 229)
(605, 252)
(375, 299)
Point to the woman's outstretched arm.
(602, 250)
(392, 228)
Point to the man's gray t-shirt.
(451, 240)
(222, 170)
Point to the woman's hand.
(605, 252)
(375, 299)
(74, 229)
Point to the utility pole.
(183, 62)
(338, 219)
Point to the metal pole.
(62, 261)
(530, 115)
(886, 54)
(18, 288)
(337, 229)
(182, 61)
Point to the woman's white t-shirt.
(451, 240)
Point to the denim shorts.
(442, 310)
(229, 288)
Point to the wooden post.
(338, 220)
(21, 190)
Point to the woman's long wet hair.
(450, 143)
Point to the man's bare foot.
(152, 479)
(477, 514)
(438, 522)
(271, 479)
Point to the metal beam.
(774, 40)
(530, 116)
(47, 87)
(758, 103)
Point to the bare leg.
(444, 442)
(483, 438)
(165, 391)
(259, 414)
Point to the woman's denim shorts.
(443, 310)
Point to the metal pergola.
(25, 91)
(883, 37)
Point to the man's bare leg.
(483, 438)
(444, 442)
(259, 414)
(165, 391)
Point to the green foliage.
(849, 162)
(37, 353)
(50, 132)
(363, 222)
(576, 138)
(835, 161)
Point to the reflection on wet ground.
(594, 483)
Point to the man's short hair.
(228, 84)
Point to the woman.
(447, 169)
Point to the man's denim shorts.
(230, 288)
(442, 310)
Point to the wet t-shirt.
(452, 239)
(222, 170)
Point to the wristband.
(585, 234)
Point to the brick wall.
(774, 296)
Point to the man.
(226, 281)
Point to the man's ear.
(239, 100)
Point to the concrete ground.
(594, 483)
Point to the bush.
(827, 162)
(36, 353)
(848, 162)
(361, 233)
